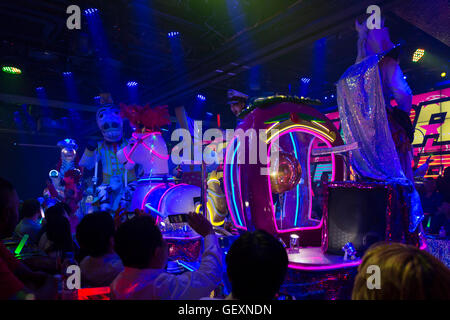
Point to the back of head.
(256, 266)
(136, 241)
(9, 206)
(54, 211)
(406, 273)
(30, 208)
(94, 233)
(58, 231)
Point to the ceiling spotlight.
(173, 34)
(132, 84)
(40, 88)
(67, 74)
(90, 11)
(11, 70)
(326, 98)
(305, 80)
(443, 74)
(201, 97)
(418, 54)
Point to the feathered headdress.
(145, 118)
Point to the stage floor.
(312, 258)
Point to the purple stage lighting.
(201, 97)
(173, 34)
(90, 11)
(132, 84)
(305, 80)
(67, 74)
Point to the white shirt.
(100, 271)
(154, 284)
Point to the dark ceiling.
(254, 46)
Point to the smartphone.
(178, 218)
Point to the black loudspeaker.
(356, 215)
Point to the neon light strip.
(232, 183)
(226, 173)
(215, 194)
(165, 193)
(298, 186)
(93, 291)
(154, 152)
(21, 244)
(299, 129)
(326, 267)
(308, 129)
(185, 265)
(271, 127)
(148, 193)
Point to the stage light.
(404, 77)
(132, 84)
(418, 54)
(332, 95)
(11, 70)
(90, 11)
(443, 74)
(201, 97)
(67, 73)
(305, 80)
(173, 34)
(40, 89)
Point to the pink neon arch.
(333, 165)
(225, 174)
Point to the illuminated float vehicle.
(276, 195)
(156, 192)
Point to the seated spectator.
(431, 197)
(256, 266)
(30, 223)
(406, 273)
(17, 281)
(57, 238)
(443, 184)
(144, 253)
(95, 235)
(441, 220)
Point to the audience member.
(406, 273)
(443, 184)
(17, 281)
(431, 198)
(144, 253)
(30, 223)
(57, 238)
(95, 235)
(256, 266)
(441, 220)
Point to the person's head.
(324, 177)
(406, 273)
(115, 182)
(430, 185)
(256, 266)
(447, 174)
(139, 244)
(444, 209)
(72, 176)
(31, 209)
(58, 232)
(59, 209)
(9, 208)
(236, 107)
(95, 234)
